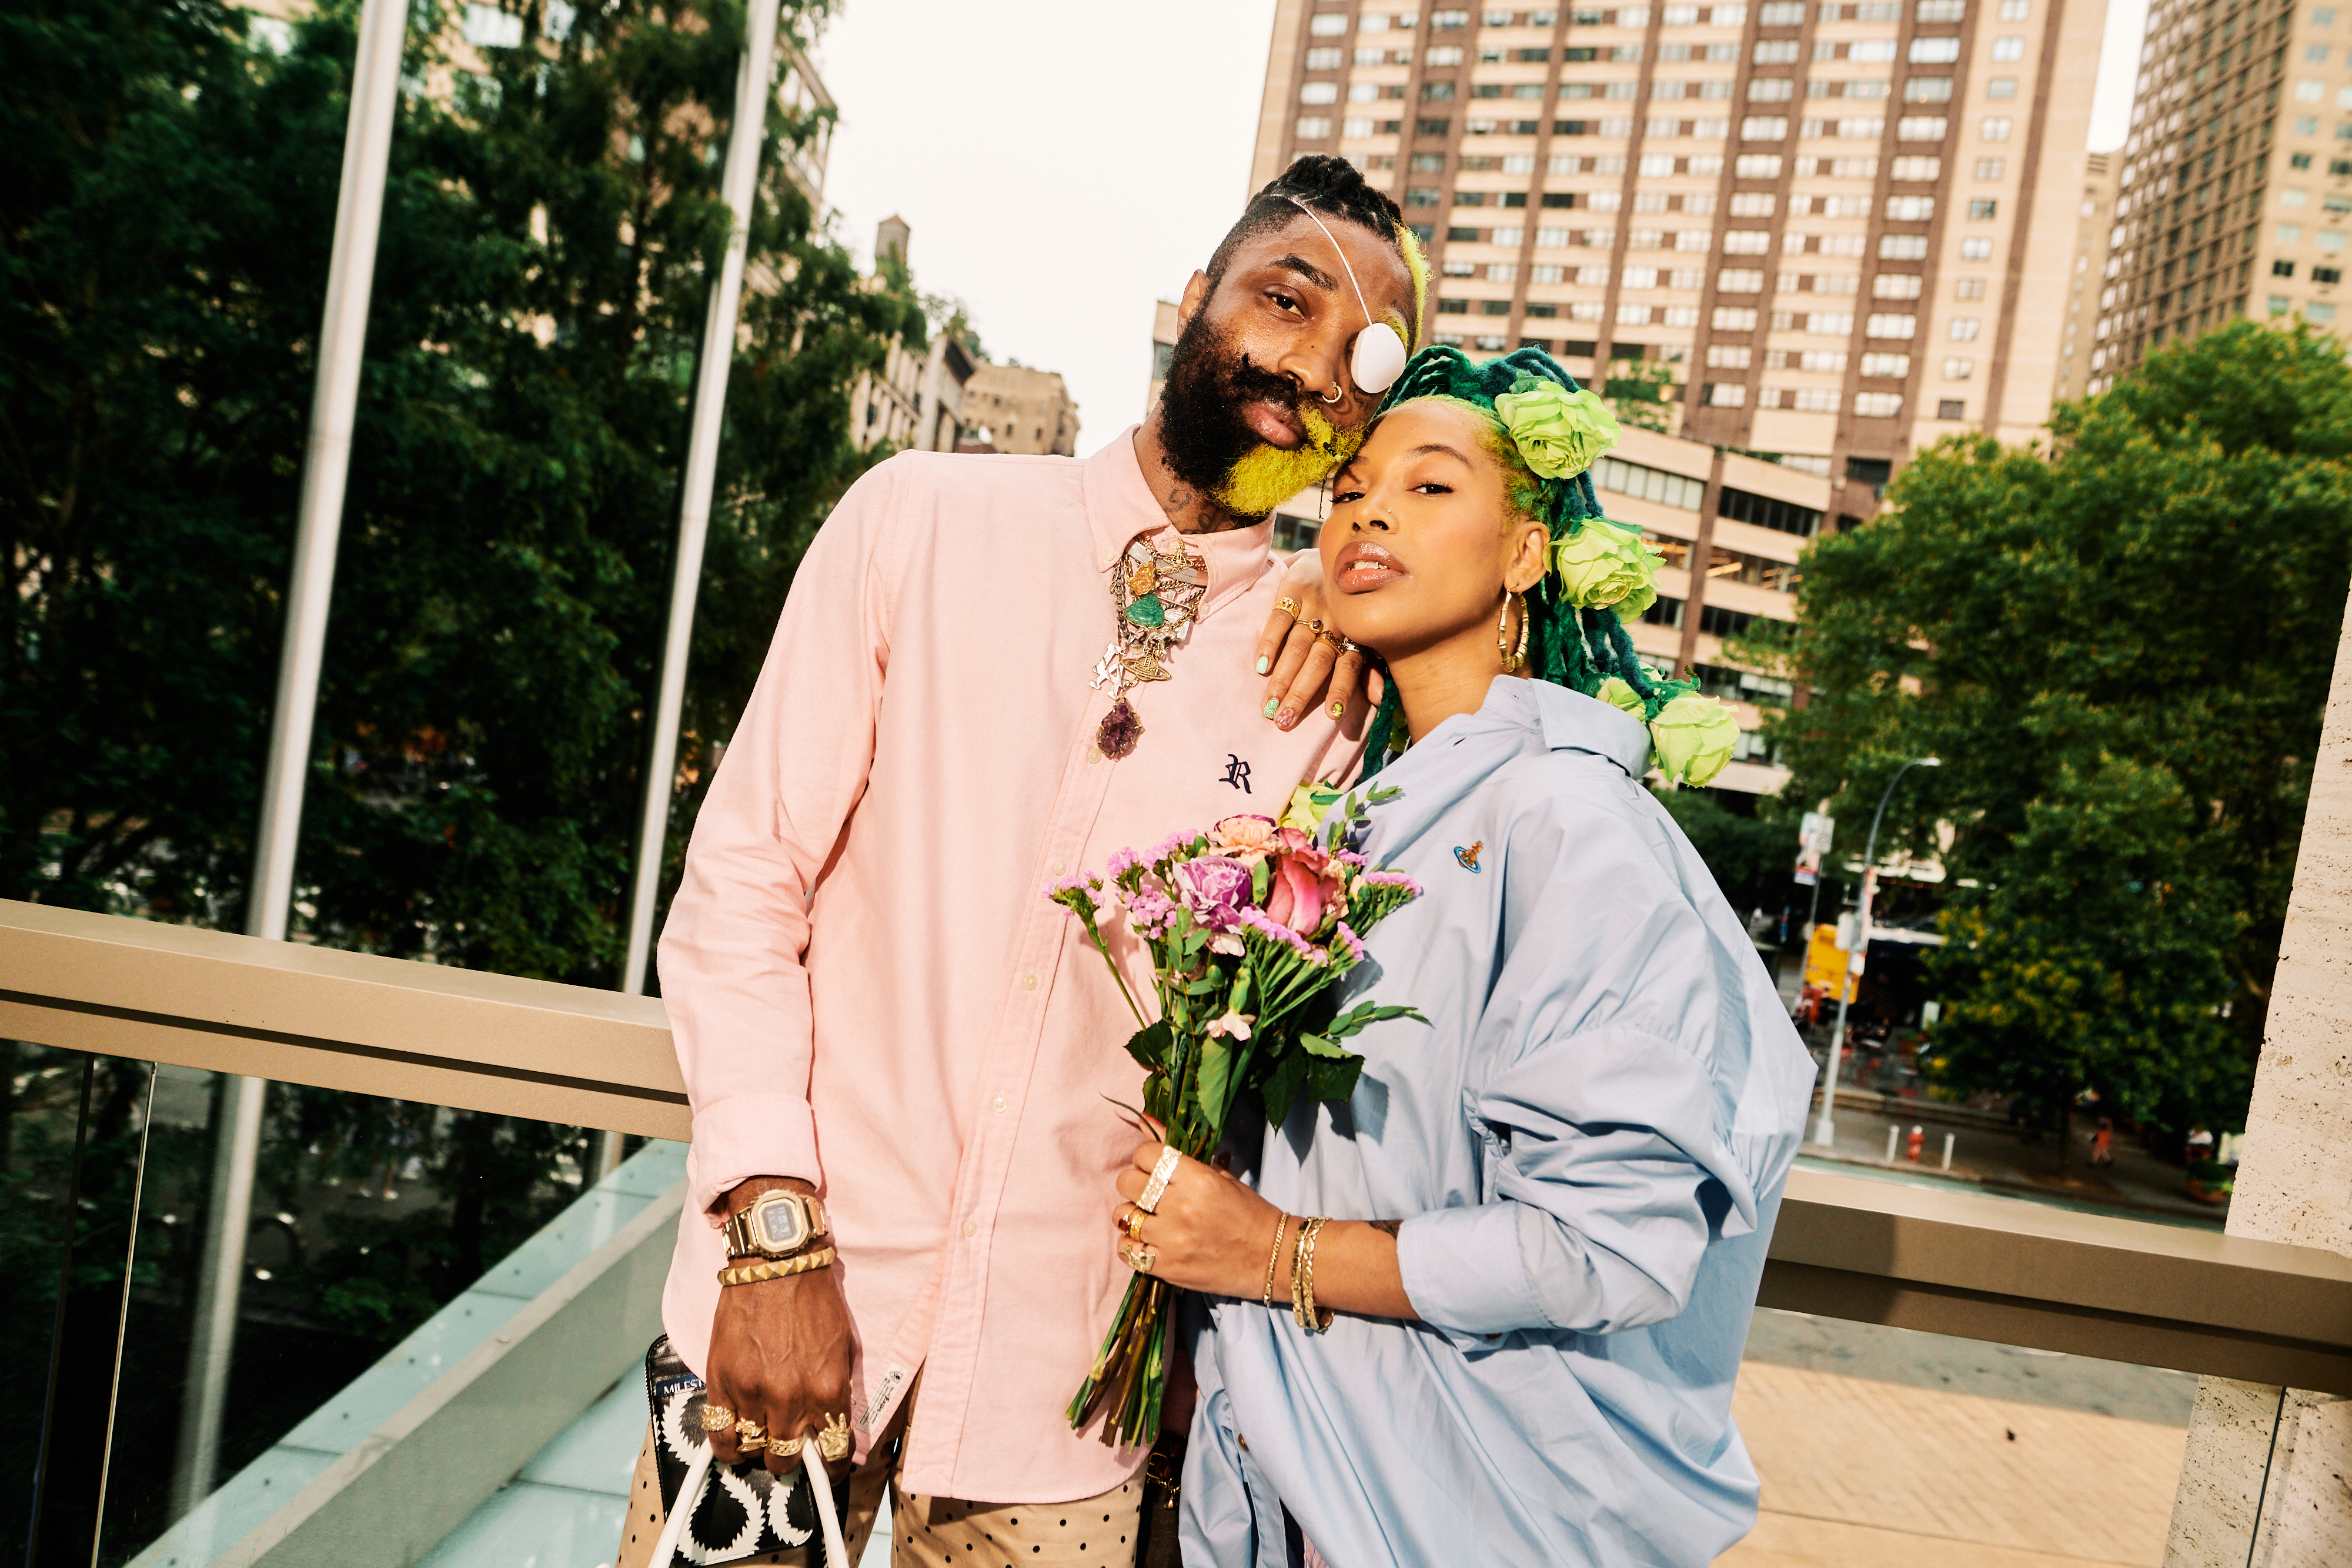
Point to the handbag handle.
(690, 1497)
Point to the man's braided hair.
(1334, 188)
(1570, 647)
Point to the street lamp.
(1825, 1131)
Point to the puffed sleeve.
(1594, 1088)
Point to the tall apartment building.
(2094, 243)
(1846, 227)
(917, 401)
(1022, 410)
(2236, 182)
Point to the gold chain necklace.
(1155, 596)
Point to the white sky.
(1065, 163)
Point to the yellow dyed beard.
(1266, 477)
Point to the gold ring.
(1288, 606)
(747, 1446)
(750, 1432)
(1133, 1223)
(832, 1443)
(717, 1417)
(785, 1447)
(1337, 641)
(1140, 1258)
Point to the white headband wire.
(1350, 271)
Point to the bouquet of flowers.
(1250, 926)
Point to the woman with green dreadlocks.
(1490, 1308)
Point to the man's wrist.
(745, 1193)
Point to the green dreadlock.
(1577, 648)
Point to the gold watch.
(776, 1225)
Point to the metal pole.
(359, 212)
(1825, 1130)
(738, 186)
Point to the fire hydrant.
(1918, 1136)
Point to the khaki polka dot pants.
(932, 1531)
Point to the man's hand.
(780, 1350)
(1303, 670)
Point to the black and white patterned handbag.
(731, 1511)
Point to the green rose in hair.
(1692, 737)
(1604, 565)
(1558, 433)
(1619, 694)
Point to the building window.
(1894, 365)
(1890, 326)
(1983, 207)
(2278, 304)
(2002, 87)
(1964, 328)
(1313, 127)
(1959, 370)
(2327, 275)
(1877, 405)
(1991, 168)
(2319, 313)
(2298, 160)
(1969, 288)
(1935, 51)
(2281, 269)
(1675, 490)
(1463, 236)
(1454, 308)
(1975, 250)
(1765, 512)
(1995, 130)
(1329, 92)
(1951, 408)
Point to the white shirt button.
(971, 1228)
(1060, 866)
(997, 1103)
(1028, 982)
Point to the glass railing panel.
(68, 1171)
(385, 1242)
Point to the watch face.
(781, 1226)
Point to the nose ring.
(1337, 393)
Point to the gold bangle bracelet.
(781, 1268)
(1274, 1259)
(1314, 1320)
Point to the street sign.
(1813, 836)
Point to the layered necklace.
(1156, 595)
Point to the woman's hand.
(1303, 669)
(1208, 1233)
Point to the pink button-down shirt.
(868, 990)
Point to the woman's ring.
(1161, 1174)
(717, 1417)
(1133, 1223)
(1287, 606)
(832, 1443)
(1140, 1258)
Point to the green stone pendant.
(1146, 610)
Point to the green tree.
(2095, 960)
(550, 225)
(1640, 392)
(2148, 608)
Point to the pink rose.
(1300, 893)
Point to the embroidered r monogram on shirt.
(1237, 772)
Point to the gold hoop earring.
(1513, 657)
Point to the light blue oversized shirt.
(1586, 1145)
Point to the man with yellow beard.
(904, 1062)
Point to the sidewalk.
(1878, 1445)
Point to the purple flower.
(1392, 879)
(1120, 863)
(1351, 942)
(1253, 918)
(1149, 911)
(1213, 888)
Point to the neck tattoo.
(1155, 596)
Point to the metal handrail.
(1952, 1263)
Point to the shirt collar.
(1120, 505)
(1574, 722)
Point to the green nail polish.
(1263, 666)
(1272, 704)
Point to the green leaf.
(1215, 1081)
(1318, 1045)
(1150, 1047)
(1283, 1079)
(1331, 1080)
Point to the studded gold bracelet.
(1312, 1319)
(752, 1273)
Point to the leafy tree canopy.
(551, 223)
(2120, 648)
